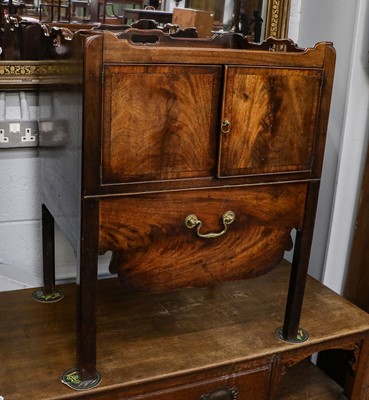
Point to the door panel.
(269, 120)
(160, 122)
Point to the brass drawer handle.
(192, 220)
(226, 126)
(221, 394)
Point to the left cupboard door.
(160, 122)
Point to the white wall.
(19, 219)
(20, 250)
(20, 225)
(345, 24)
(352, 155)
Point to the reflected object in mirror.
(234, 15)
(256, 19)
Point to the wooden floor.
(141, 335)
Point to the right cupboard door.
(269, 119)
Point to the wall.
(345, 24)
(352, 155)
(20, 210)
(20, 250)
(19, 219)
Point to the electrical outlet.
(28, 137)
(3, 139)
(15, 134)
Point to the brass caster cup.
(302, 336)
(53, 297)
(72, 379)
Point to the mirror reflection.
(256, 19)
(244, 16)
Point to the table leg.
(85, 376)
(49, 293)
(291, 332)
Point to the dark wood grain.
(153, 343)
(86, 291)
(272, 115)
(122, 51)
(154, 250)
(300, 264)
(164, 130)
(308, 382)
(357, 279)
(91, 115)
(48, 250)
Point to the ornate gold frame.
(29, 74)
(277, 18)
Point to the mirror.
(257, 19)
(261, 19)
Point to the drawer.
(248, 385)
(170, 240)
(229, 383)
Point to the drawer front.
(251, 385)
(168, 240)
(269, 120)
(160, 122)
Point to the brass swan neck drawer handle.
(192, 221)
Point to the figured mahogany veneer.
(274, 113)
(140, 229)
(191, 160)
(168, 124)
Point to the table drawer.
(169, 240)
(248, 385)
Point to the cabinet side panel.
(60, 124)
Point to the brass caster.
(72, 379)
(302, 336)
(53, 297)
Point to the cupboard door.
(269, 119)
(160, 122)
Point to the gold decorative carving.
(32, 73)
(276, 24)
(38, 69)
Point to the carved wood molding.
(277, 18)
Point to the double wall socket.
(18, 134)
